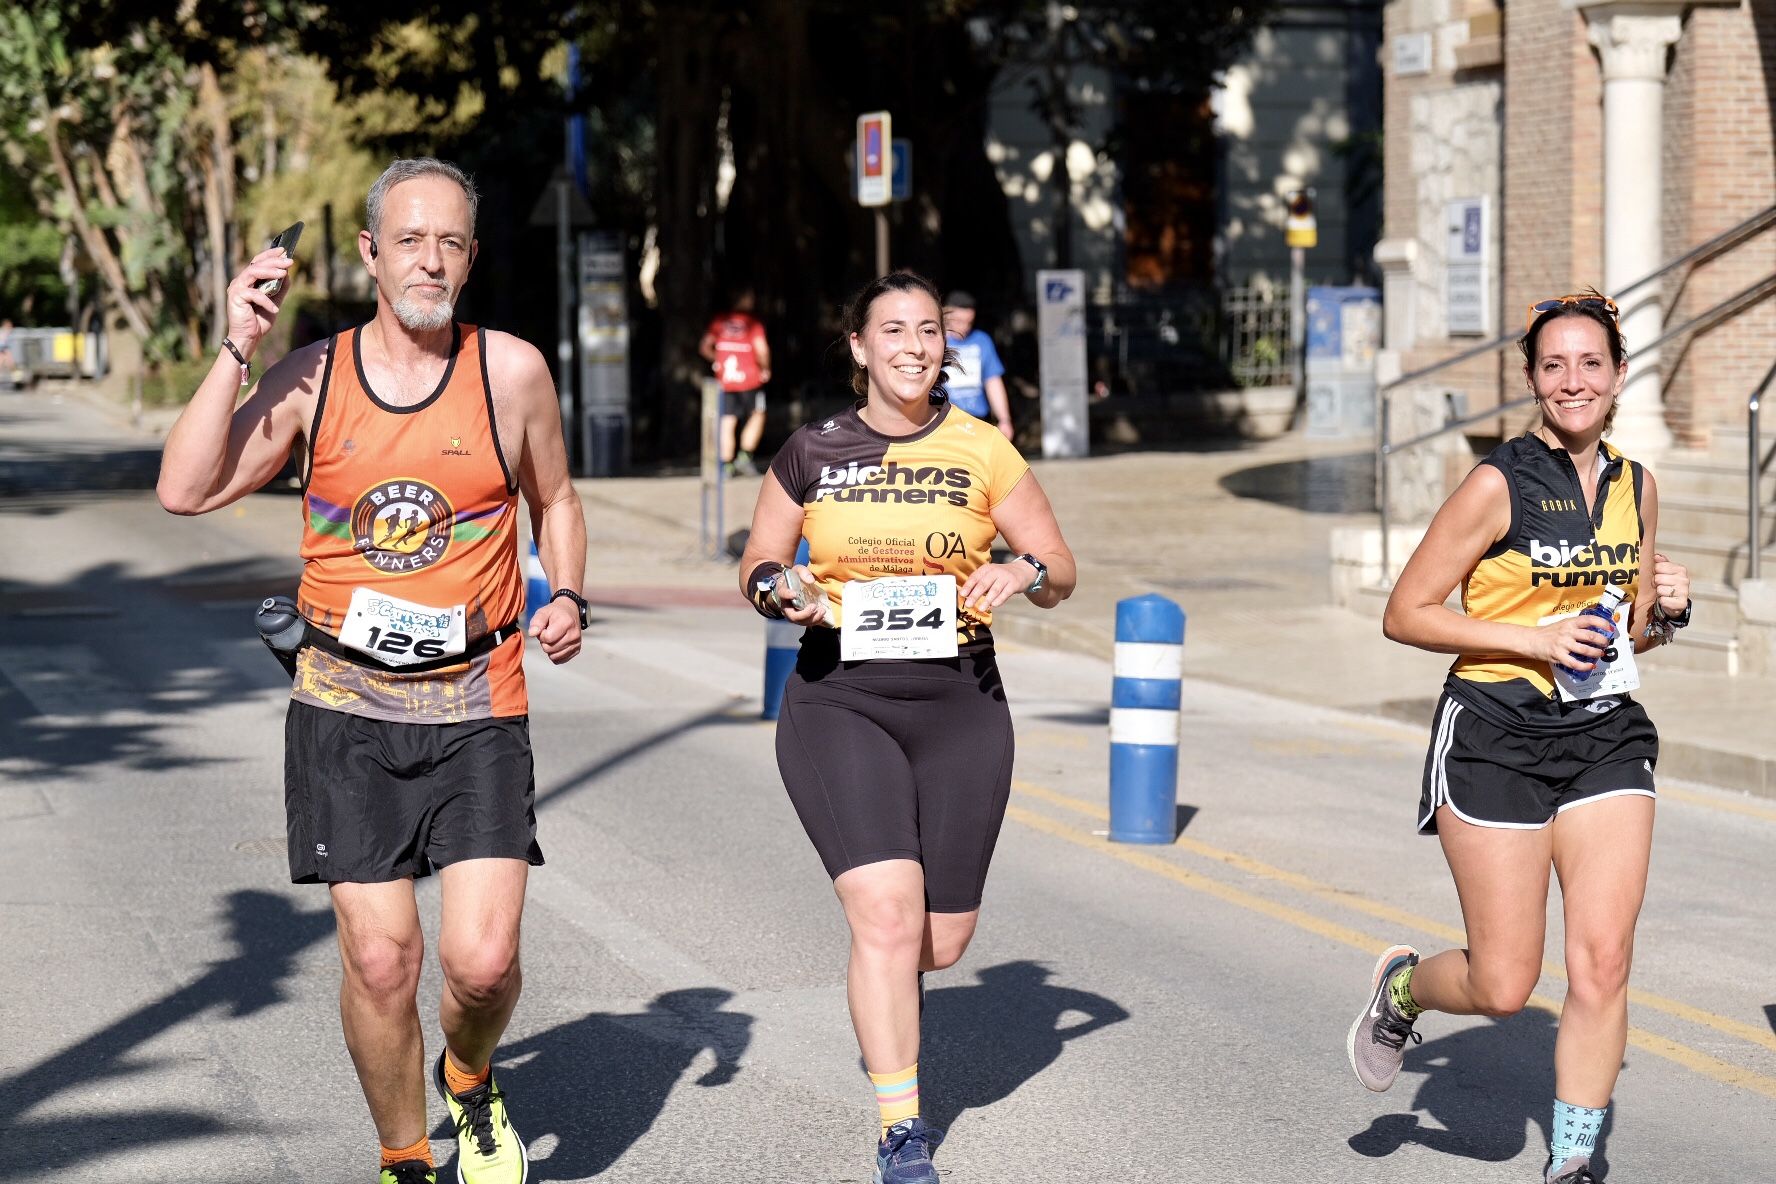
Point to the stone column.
(1634, 38)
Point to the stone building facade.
(1603, 138)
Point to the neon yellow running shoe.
(488, 1150)
(409, 1171)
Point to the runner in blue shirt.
(976, 383)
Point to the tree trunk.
(98, 249)
(690, 89)
(218, 196)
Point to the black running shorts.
(899, 760)
(741, 404)
(1494, 777)
(367, 801)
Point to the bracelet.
(761, 584)
(231, 347)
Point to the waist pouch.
(322, 640)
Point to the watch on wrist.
(579, 603)
(1041, 579)
(1677, 622)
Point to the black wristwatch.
(1041, 573)
(579, 603)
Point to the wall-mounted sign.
(1467, 267)
(1412, 54)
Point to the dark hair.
(857, 316)
(1592, 309)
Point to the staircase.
(1702, 520)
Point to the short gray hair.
(407, 169)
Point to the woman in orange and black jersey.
(894, 738)
(1540, 757)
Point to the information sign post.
(875, 175)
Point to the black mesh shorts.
(899, 760)
(741, 404)
(367, 801)
(1491, 776)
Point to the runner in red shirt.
(734, 345)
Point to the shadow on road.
(597, 1084)
(268, 934)
(715, 717)
(97, 666)
(1484, 1086)
(982, 1042)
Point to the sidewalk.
(1240, 537)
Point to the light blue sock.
(1575, 1131)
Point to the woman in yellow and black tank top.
(894, 738)
(1539, 757)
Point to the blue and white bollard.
(782, 641)
(536, 584)
(1144, 729)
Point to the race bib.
(898, 617)
(1611, 676)
(398, 632)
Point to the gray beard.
(423, 317)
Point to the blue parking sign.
(901, 186)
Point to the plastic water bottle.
(282, 629)
(1605, 608)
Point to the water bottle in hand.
(1605, 608)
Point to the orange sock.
(461, 1081)
(422, 1151)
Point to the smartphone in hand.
(285, 241)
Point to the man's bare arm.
(521, 377)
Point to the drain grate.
(274, 845)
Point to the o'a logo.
(401, 526)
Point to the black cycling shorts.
(368, 801)
(899, 760)
(740, 404)
(1491, 776)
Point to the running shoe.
(409, 1171)
(904, 1154)
(488, 1150)
(1576, 1170)
(1377, 1041)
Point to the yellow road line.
(1449, 933)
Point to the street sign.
(874, 168)
(1060, 360)
(1467, 268)
(1301, 229)
(902, 187)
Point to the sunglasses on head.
(1576, 299)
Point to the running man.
(895, 739)
(1540, 757)
(734, 345)
(407, 744)
(976, 380)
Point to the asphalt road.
(1126, 1013)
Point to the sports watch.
(1041, 573)
(579, 603)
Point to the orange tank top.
(419, 503)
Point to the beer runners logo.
(1586, 564)
(892, 482)
(401, 526)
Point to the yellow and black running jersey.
(1555, 559)
(878, 505)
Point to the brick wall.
(1720, 167)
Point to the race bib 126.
(898, 617)
(399, 632)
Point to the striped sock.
(1575, 1131)
(1400, 991)
(422, 1151)
(461, 1081)
(897, 1095)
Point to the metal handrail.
(1727, 238)
(1754, 474)
(1707, 318)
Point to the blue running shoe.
(904, 1154)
